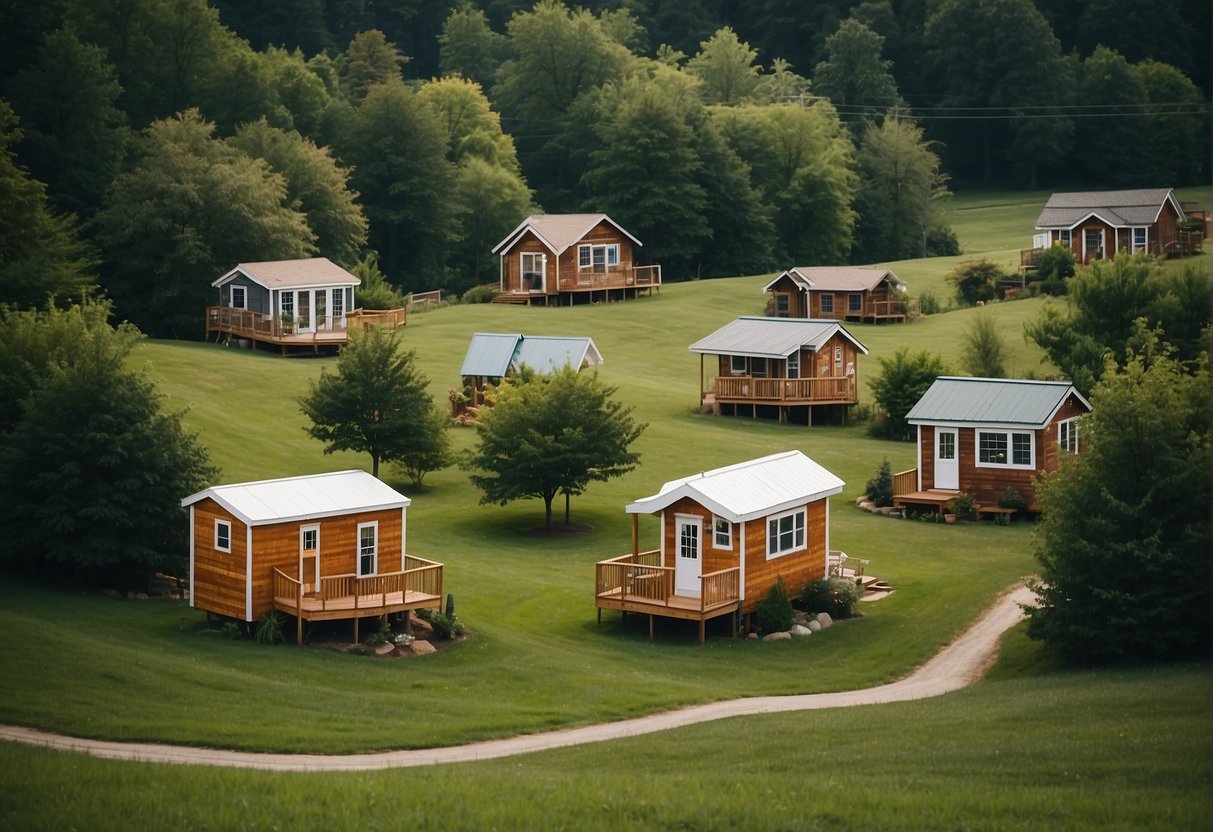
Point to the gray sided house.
(981, 436)
(1098, 224)
(841, 293)
(492, 356)
(779, 367)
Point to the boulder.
(385, 649)
(867, 505)
(421, 647)
(824, 619)
(814, 626)
(784, 636)
(801, 630)
(752, 636)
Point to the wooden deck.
(786, 391)
(639, 583)
(328, 332)
(616, 283)
(419, 586)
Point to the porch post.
(635, 535)
(701, 380)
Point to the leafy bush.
(903, 380)
(269, 629)
(836, 596)
(445, 626)
(962, 505)
(774, 611)
(975, 280)
(880, 488)
(1012, 499)
(942, 242)
(480, 294)
(1054, 267)
(928, 304)
(380, 636)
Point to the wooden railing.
(642, 578)
(424, 300)
(260, 326)
(367, 318)
(623, 276)
(905, 481)
(891, 308)
(827, 390)
(368, 592)
(287, 587)
(720, 587)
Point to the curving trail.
(958, 665)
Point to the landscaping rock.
(801, 630)
(784, 636)
(385, 649)
(867, 505)
(752, 636)
(421, 647)
(824, 619)
(814, 626)
(140, 596)
(421, 628)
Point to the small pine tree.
(880, 488)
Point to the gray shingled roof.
(1001, 401)
(761, 337)
(839, 278)
(290, 274)
(559, 231)
(1117, 208)
(494, 354)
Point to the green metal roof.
(1001, 401)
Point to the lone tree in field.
(1125, 541)
(376, 402)
(551, 434)
(902, 381)
(984, 354)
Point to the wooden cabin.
(1098, 224)
(779, 368)
(317, 547)
(840, 293)
(492, 356)
(571, 258)
(981, 436)
(726, 536)
(291, 304)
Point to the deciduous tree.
(903, 380)
(984, 353)
(726, 66)
(855, 78)
(469, 47)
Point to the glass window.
(827, 303)
(1067, 435)
(688, 541)
(794, 365)
(368, 549)
(992, 448)
(783, 305)
(738, 365)
(308, 538)
(597, 258)
(239, 297)
(286, 303)
(1021, 449)
(223, 535)
(338, 303)
(838, 357)
(1139, 239)
(1005, 448)
(855, 302)
(785, 533)
(947, 445)
(723, 538)
(1063, 237)
(758, 368)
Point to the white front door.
(947, 468)
(688, 567)
(309, 557)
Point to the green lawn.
(1033, 748)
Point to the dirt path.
(958, 665)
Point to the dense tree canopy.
(854, 76)
(903, 380)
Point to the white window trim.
(610, 255)
(1145, 244)
(739, 369)
(804, 524)
(231, 295)
(1073, 436)
(1007, 435)
(716, 533)
(838, 357)
(373, 524)
(228, 525)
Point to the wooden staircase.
(515, 298)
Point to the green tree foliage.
(93, 470)
(1175, 131)
(782, 84)
(855, 78)
(316, 185)
(984, 353)
(41, 255)
(397, 146)
(75, 136)
(190, 209)
(376, 402)
(469, 47)
(903, 380)
(375, 292)
(1127, 516)
(1054, 266)
(726, 66)
(773, 613)
(997, 54)
(295, 24)
(900, 190)
(1110, 306)
(801, 162)
(879, 489)
(1111, 146)
(370, 59)
(550, 434)
(975, 281)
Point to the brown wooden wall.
(796, 305)
(818, 364)
(566, 265)
(219, 583)
(511, 261)
(1161, 234)
(796, 569)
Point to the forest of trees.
(147, 146)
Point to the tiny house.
(841, 293)
(725, 537)
(315, 547)
(492, 356)
(1098, 224)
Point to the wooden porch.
(906, 492)
(639, 583)
(327, 331)
(882, 310)
(349, 596)
(788, 391)
(615, 282)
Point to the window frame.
(855, 302)
(825, 303)
(1065, 236)
(1067, 436)
(756, 363)
(586, 252)
(227, 524)
(1144, 245)
(793, 365)
(838, 358)
(231, 296)
(718, 532)
(337, 304)
(798, 518)
(783, 305)
(1007, 437)
(286, 302)
(736, 368)
(361, 552)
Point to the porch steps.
(511, 297)
(871, 584)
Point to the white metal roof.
(761, 337)
(559, 231)
(839, 278)
(992, 401)
(748, 490)
(301, 498)
(289, 274)
(494, 354)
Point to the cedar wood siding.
(812, 364)
(796, 568)
(219, 577)
(989, 484)
(1160, 234)
(566, 266)
(796, 306)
